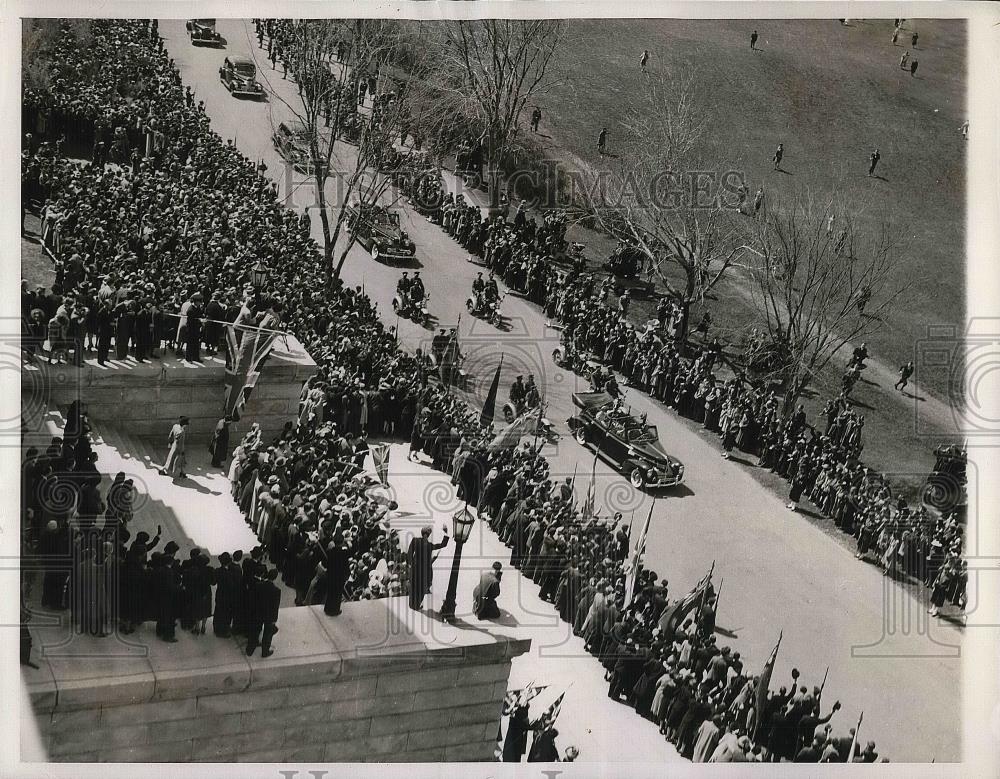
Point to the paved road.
(780, 572)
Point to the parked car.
(203, 32)
(625, 266)
(239, 76)
(291, 139)
(624, 439)
(377, 229)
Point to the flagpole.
(855, 741)
(704, 592)
(823, 684)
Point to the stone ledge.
(448, 697)
(444, 737)
(471, 752)
(193, 682)
(310, 653)
(154, 711)
(359, 749)
(369, 684)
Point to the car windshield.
(246, 69)
(206, 23)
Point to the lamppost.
(462, 523)
(258, 277)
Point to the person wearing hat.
(229, 582)
(543, 745)
(219, 445)
(485, 594)
(166, 591)
(338, 565)
(263, 613)
(176, 457)
(192, 330)
(420, 556)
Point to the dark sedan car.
(239, 76)
(624, 439)
(203, 32)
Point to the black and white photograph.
(462, 383)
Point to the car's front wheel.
(580, 434)
(637, 478)
(375, 252)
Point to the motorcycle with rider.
(410, 300)
(485, 299)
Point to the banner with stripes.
(245, 357)
(380, 456)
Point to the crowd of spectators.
(822, 463)
(174, 214)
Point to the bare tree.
(485, 73)
(660, 196)
(816, 290)
(344, 140)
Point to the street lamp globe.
(258, 276)
(462, 523)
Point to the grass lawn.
(830, 94)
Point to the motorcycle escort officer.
(403, 286)
(517, 392)
(416, 287)
(477, 290)
(531, 397)
(491, 290)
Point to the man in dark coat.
(338, 565)
(229, 580)
(219, 445)
(166, 594)
(516, 741)
(421, 565)
(215, 314)
(192, 341)
(143, 338)
(484, 596)
(543, 747)
(105, 329)
(264, 614)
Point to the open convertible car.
(292, 140)
(625, 439)
(378, 230)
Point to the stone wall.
(375, 684)
(144, 399)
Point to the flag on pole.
(760, 697)
(380, 456)
(244, 364)
(587, 512)
(548, 719)
(511, 437)
(854, 741)
(636, 564)
(490, 406)
(515, 698)
(674, 614)
(449, 357)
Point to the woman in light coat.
(176, 457)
